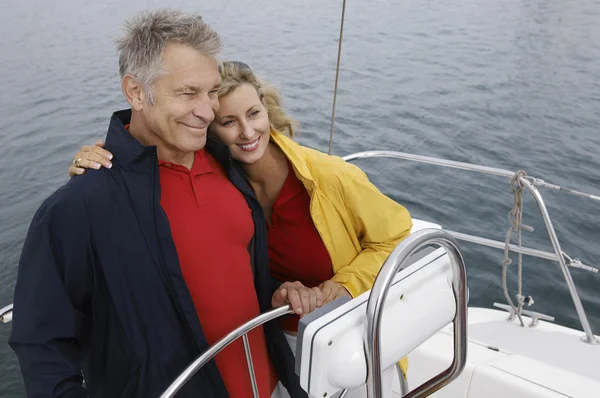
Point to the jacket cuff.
(348, 282)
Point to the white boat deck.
(507, 360)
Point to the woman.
(328, 226)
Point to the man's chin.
(194, 140)
(198, 143)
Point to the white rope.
(515, 218)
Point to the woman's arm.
(379, 222)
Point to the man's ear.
(134, 92)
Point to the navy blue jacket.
(100, 293)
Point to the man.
(129, 274)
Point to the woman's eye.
(254, 114)
(227, 123)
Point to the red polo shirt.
(296, 251)
(212, 226)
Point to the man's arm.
(51, 303)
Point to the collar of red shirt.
(203, 164)
(291, 188)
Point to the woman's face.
(242, 123)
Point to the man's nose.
(203, 109)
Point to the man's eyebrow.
(186, 88)
(196, 89)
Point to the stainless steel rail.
(6, 314)
(530, 185)
(209, 354)
(395, 262)
(589, 335)
(496, 244)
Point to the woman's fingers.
(319, 296)
(332, 290)
(98, 148)
(90, 157)
(73, 171)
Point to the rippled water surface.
(511, 84)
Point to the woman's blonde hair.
(235, 74)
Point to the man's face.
(185, 100)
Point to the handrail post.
(395, 262)
(589, 335)
(250, 364)
(220, 345)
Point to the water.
(503, 83)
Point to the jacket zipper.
(171, 287)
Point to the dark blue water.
(504, 83)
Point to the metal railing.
(396, 262)
(530, 184)
(6, 314)
(393, 264)
(372, 344)
(209, 354)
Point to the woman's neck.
(270, 171)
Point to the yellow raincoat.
(359, 226)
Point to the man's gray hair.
(146, 36)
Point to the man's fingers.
(281, 294)
(305, 297)
(302, 299)
(279, 297)
(293, 297)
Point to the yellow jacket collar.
(294, 153)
